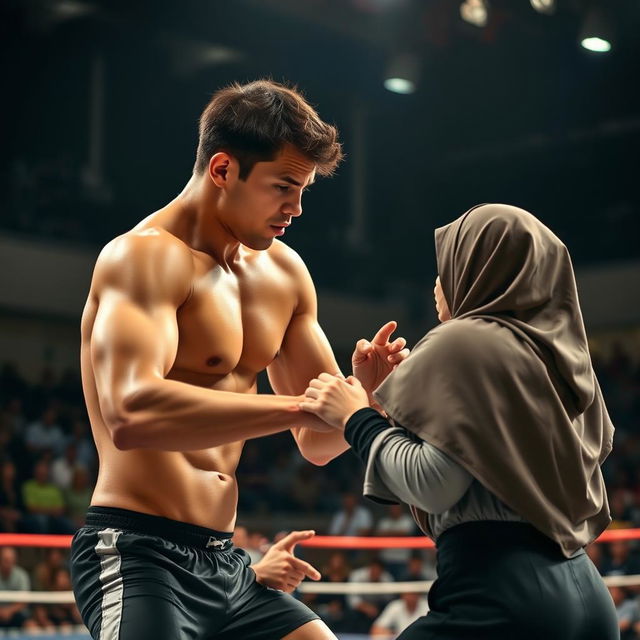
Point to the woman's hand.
(334, 399)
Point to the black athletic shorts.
(142, 577)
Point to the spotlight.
(475, 12)
(597, 33)
(544, 6)
(402, 74)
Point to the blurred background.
(441, 104)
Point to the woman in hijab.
(494, 434)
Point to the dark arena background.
(441, 105)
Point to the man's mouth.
(280, 228)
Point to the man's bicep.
(305, 353)
(130, 343)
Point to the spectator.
(63, 466)
(78, 496)
(13, 578)
(85, 448)
(365, 608)
(11, 506)
(45, 434)
(595, 552)
(620, 561)
(628, 613)
(44, 503)
(399, 614)
(332, 607)
(45, 571)
(254, 543)
(421, 566)
(13, 415)
(352, 520)
(62, 616)
(396, 523)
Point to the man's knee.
(314, 630)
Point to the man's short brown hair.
(252, 122)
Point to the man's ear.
(221, 169)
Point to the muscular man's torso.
(230, 328)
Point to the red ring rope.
(332, 542)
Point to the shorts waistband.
(184, 533)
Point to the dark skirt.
(506, 580)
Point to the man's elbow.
(316, 458)
(126, 429)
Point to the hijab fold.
(506, 388)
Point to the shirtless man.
(184, 311)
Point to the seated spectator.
(78, 496)
(365, 608)
(10, 499)
(58, 616)
(332, 607)
(45, 435)
(85, 447)
(396, 523)
(63, 466)
(596, 554)
(352, 520)
(620, 502)
(620, 561)
(14, 578)
(399, 614)
(44, 574)
(254, 543)
(628, 613)
(421, 566)
(44, 503)
(13, 416)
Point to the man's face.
(7, 560)
(260, 208)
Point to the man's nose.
(293, 207)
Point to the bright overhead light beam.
(399, 85)
(600, 45)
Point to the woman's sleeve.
(414, 471)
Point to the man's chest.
(233, 323)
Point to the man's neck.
(198, 224)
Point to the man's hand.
(334, 399)
(373, 361)
(280, 569)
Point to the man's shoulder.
(151, 242)
(144, 259)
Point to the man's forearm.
(174, 416)
(319, 447)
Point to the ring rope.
(346, 588)
(333, 542)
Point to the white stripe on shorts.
(112, 586)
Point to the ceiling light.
(475, 12)
(402, 74)
(596, 33)
(544, 6)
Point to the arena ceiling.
(516, 111)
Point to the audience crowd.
(48, 465)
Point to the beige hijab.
(506, 388)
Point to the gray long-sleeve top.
(401, 467)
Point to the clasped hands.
(335, 399)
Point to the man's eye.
(283, 188)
